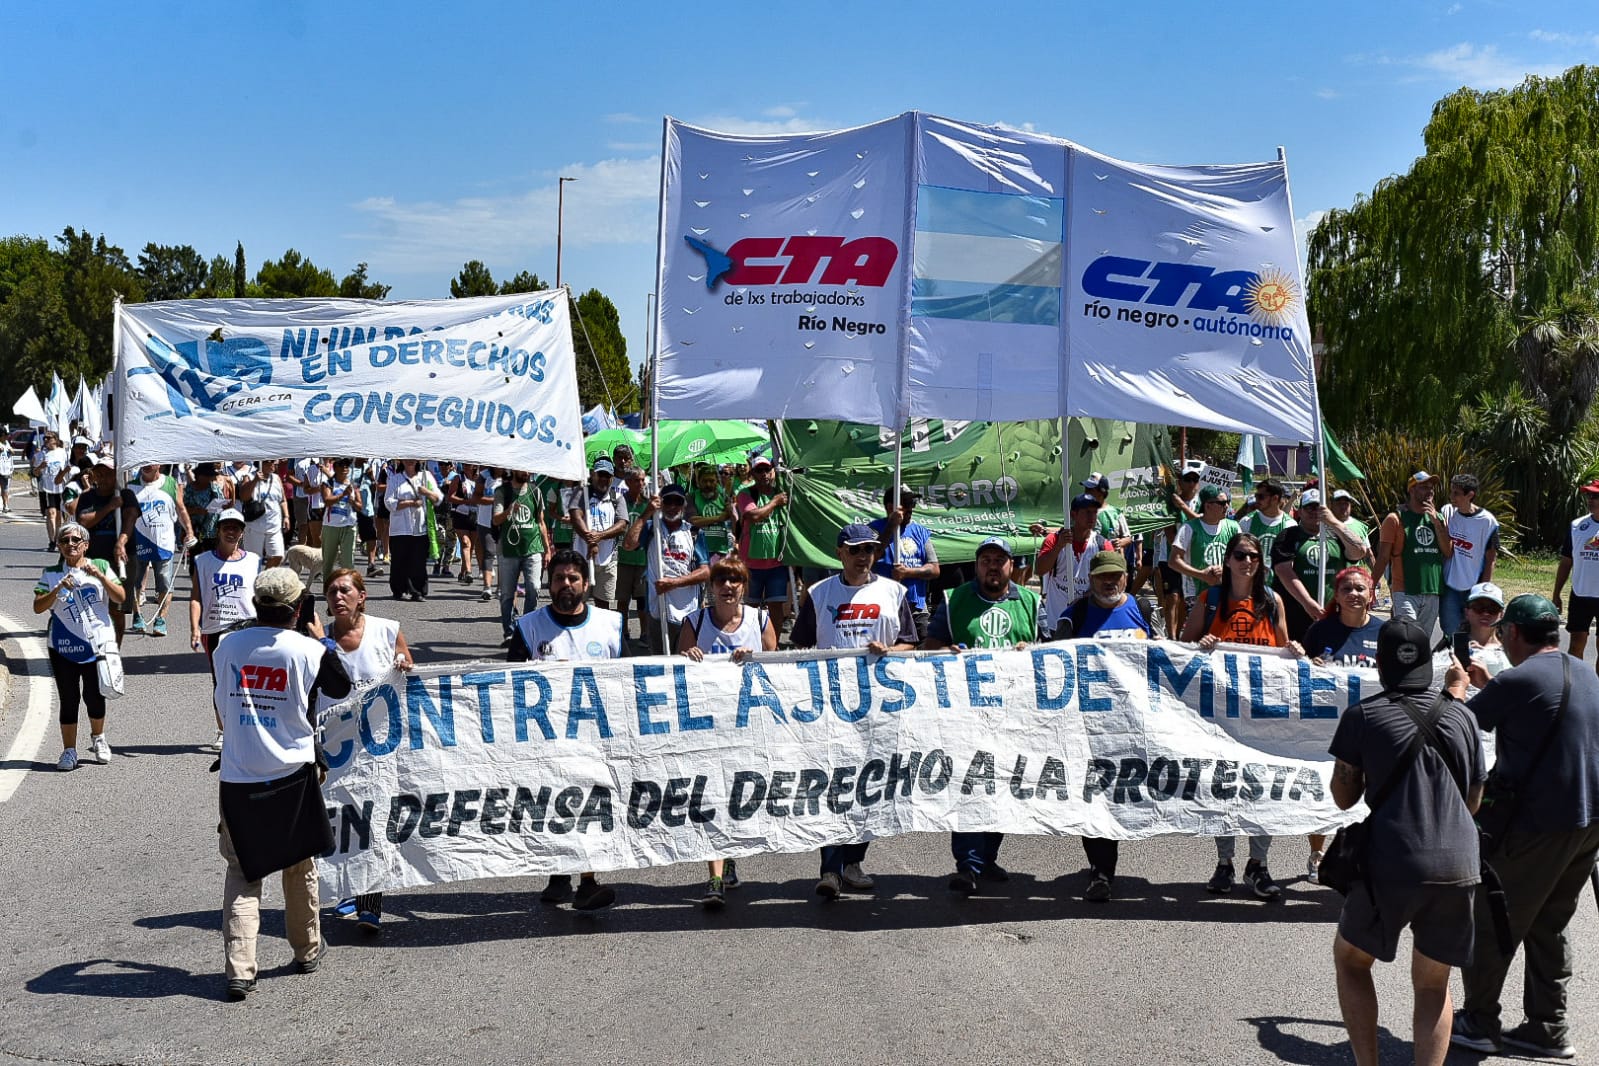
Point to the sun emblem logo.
(1271, 297)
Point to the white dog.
(305, 561)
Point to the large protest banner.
(976, 479)
(487, 380)
(921, 267)
(493, 770)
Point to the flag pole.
(1318, 436)
(654, 485)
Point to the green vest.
(519, 533)
(638, 556)
(1307, 565)
(978, 622)
(1266, 531)
(1109, 519)
(560, 528)
(718, 537)
(766, 537)
(1421, 557)
(1206, 550)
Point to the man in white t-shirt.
(675, 573)
(1066, 554)
(599, 516)
(1579, 561)
(1474, 531)
(854, 609)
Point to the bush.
(1388, 458)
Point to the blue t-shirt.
(1351, 647)
(1122, 622)
(913, 548)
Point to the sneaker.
(312, 964)
(995, 872)
(829, 886)
(1468, 1033)
(159, 628)
(715, 895)
(345, 908)
(1098, 888)
(1313, 868)
(137, 625)
(1258, 878)
(593, 896)
(369, 921)
(68, 760)
(100, 750)
(487, 595)
(1530, 1039)
(1221, 882)
(238, 989)
(559, 890)
(730, 873)
(465, 578)
(963, 882)
(215, 745)
(857, 879)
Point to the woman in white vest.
(410, 490)
(726, 627)
(264, 534)
(78, 591)
(368, 647)
(220, 593)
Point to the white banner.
(925, 267)
(495, 770)
(487, 380)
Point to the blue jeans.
(975, 851)
(1452, 609)
(529, 570)
(837, 856)
(138, 567)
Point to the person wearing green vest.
(763, 529)
(710, 510)
(1342, 506)
(1296, 563)
(1268, 519)
(524, 541)
(993, 612)
(1112, 521)
(1415, 541)
(1201, 545)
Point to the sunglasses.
(728, 579)
(1486, 607)
(860, 549)
(70, 540)
(1245, 557)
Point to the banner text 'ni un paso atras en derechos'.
(488, 380)
(495, 769)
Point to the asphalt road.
(111, 952)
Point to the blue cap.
(1084, 500)
(603, 465)
(857, 533)
(674, 489)
(997, 542)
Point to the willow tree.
(1443, 283)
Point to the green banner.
(977, 479)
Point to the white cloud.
(1481, 66)
(1302, 229)
(769, 123)
(1327, 94)
(612, 202)
(1452, 9)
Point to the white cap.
(1486, 590)
(1309, 497)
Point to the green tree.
(37, 335)
(604, 374)
(94, 273)
(295, 275)
(356, 286)
(172, 271)
(1443, 282)
(240, 281)
(473, 280)
(523, 282)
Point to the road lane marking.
(36, 711)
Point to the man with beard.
(1415, 539)
(569, 629)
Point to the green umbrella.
(606, 440)
(717, 441)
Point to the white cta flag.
(488, 380)
(921, 267)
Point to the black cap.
(1404, 656)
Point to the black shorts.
(1439, 917)
(1581, 612)
(464, 523)
(52, 501)
(366, 528)
(1171, 580)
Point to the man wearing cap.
(599, 515)
(1296, 562)
(1200, 549)
(853, 609)
(1474, 533)
(1415, 541)
(710, 511)
(1106, 613)
(155, 543)
(1421, 862)
(1544, 714)
(268, 678)
(1112, 521)
(763, 526)
(107, 510)
(1579, 562)
(631, 564)
(1065, 555)
(990, 611)
(1342, 507)
(1267, 521)
(906, 552)
(220, 593)
(675, 573)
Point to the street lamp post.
(560, 223)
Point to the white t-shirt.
(485, 511)
(603, 511)
(310, 473)
(852, 616)
(55, 469)
(681, 554)
(598, 637)
(80, 617)
(226, 588)
(1585, 557)
(269, 493)
(713, 640)
(340, 514)
(155, 533)
(408, 521)
(8, 460)
(1471, 535)
(1067, 583)
(263, 687)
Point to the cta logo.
(1268, 296)
(264, 678)
(796, 260)
(857, 612)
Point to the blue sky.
(417, 136)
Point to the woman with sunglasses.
(78, 592)
(1241, 610)
(368, 647)
(1485, 606)
(726, 627)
